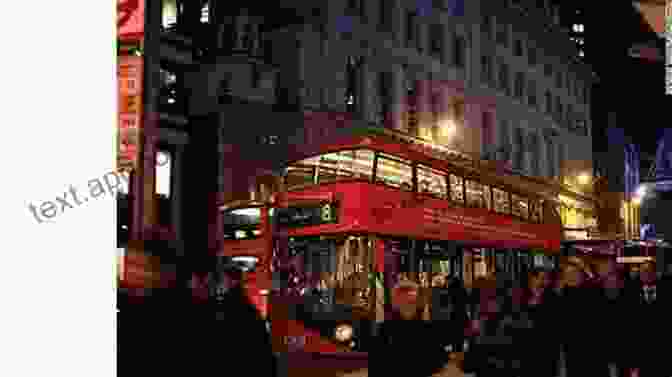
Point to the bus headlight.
(343, 333)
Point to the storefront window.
(456, 189)
(519, 206)
(501, 201)
(432, 182)
(394, 172)
(478, 195)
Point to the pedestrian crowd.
(603, 323)
(576, 322)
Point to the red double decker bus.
(357, 214)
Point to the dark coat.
(538, 343)
(411, 348)
(579, 332)
(172, 336)
(614, 327)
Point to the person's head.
(647, 273)
(406, 299)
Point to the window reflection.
(394, 172)
(519, 206)
(432, 182)
(456, 189)
(501, 201)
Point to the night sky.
(633, 88)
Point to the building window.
(548, 69)
(536, 155)
(581, 126)
(163, 171)
(384, 85)
(558, 80)
(518, 47)
(519, 206)
(532, 93)
(578, 28)
(459, 53)
(504, 78)
(456, 189)
(486, 69)
(394, 172)
(411, 25)
(519, 87)
(436, 41)
(487, 130)
(256, 76)
(503, 34)
(432, 182)
(550, 158)
(531, 55)
(412, 107)
(504, 134)
(558, 109)
(520, 149)
(501, 203)
(384, 14)
(352, 73)
(476, 195)
(486, 26)
(205, 14)
(548, 99)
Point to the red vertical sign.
(130, 20)
(129, 76)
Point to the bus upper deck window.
(394, 172)
(501, 201)
(519, 206)
(456, 189)
(432, 182)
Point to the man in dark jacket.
(579, 337)
(614, 308)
